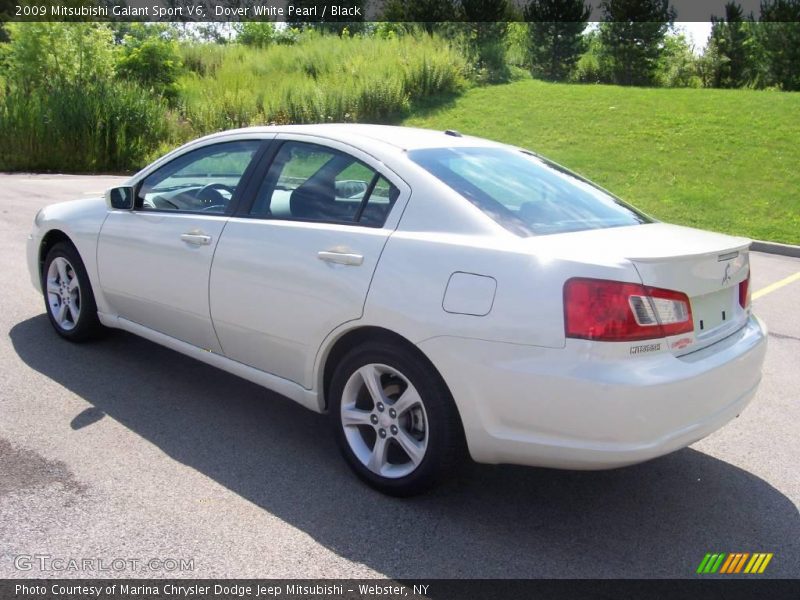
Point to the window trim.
(241, 188)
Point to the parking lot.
(122, 449)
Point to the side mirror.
(120, 198)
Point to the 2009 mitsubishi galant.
(437, 294)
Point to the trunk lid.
(708, 267)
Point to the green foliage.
(288, 36)
(729, 54)
(632, 36)
(484, 30)
(45, 56)
(152, 61)
(426, 12)
(72, 99)
(64, 108)
(322, 78)
(555, 36)
(779, 35)
(517, 54)
(591, 68)
(101, 126)
(678, 65)
(255, 33)
(203, 59)
(717, 159)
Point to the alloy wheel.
(384, 420)
(63, 293)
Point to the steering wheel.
(210, 194)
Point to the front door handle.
(341, 258)
(196, 238)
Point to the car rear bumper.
(575, 409)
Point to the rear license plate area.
(714, 310)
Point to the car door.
(154, 260)
(297, 262)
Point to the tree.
(428, 13)
(678, 66)
(779, 35)
(632, 38)
(730, 49)
(255, 33)
(44, 56)
(555, 36)
(6, 8)
(485, 28)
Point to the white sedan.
(438, 295)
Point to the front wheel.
(68, 294)
(394, 419)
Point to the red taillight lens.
(615, 311)
(744, 292)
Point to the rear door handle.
(341, 258)
(197, 239)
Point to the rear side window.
(525, 194)
(308, 182)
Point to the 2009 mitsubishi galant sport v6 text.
(439, 295)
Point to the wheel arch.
(50, 239)
(351, 338)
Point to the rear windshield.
(524, 193)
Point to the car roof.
(402, 138)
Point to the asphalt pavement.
(118, 452)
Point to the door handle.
(341, 258)
(197, 239)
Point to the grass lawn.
(726, 160)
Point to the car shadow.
(652, 520)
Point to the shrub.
(154, 63)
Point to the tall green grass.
(103, 127)
(113, 125)
(323, 78)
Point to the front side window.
(525, 194)
(203, 180)
(308, 182)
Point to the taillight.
(744, 292)
(615, 311)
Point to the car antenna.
(452, 132)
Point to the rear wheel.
(394, 419)
(68, 294)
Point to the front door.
(154, 261)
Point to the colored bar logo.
(735, 562)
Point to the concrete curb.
(776, 248)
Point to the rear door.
(298, 262)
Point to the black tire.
(445, 448)
(87, 325)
